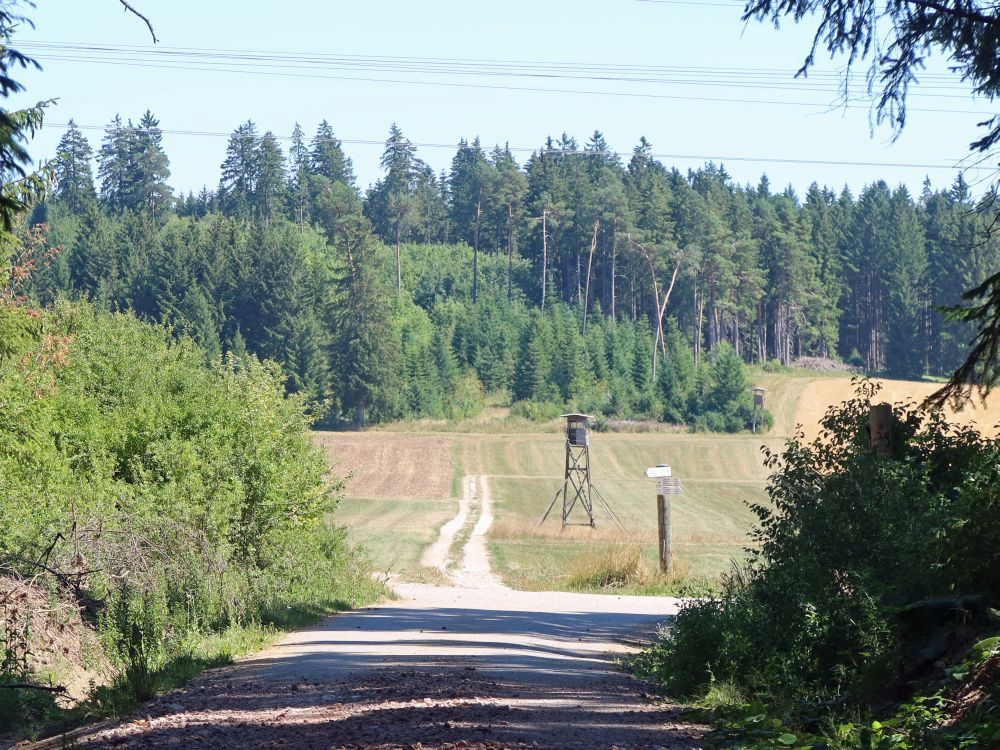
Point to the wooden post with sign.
(666, 485)
(665, 531)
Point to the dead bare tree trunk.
(590, 262)
(545, 255)
(661, 306)
(399, 265)
(510, 249)
(475, 249)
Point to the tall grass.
(621, 565)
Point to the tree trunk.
(510, 249)
(631, 289)
(614, 266)
(399, 265)
(590, 262)
(545, 255)
(475, 249)
(359, 416)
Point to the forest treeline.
(625, 289)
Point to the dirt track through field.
(470, 665)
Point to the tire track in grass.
(436, 556)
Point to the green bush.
(536, 411)
(864, 570)
(183, 497)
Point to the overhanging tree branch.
(957, 12)
(149, 25)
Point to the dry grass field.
(819, 394)
(399, 493)
(403, 485)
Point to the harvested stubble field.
(403, 486)
(398, 494)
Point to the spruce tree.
(148, 189)
(116, 166)
(268, 196)
(327, 158)
(73, 171)
(905, 351)
(364, 353)
(238, 184)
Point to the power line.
(819, 106)
(274, 63)
(564, 152)
(451, 66)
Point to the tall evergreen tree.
(327, 157)
(298, 178)
(906, 298)
(508, 206)
(471, 186)
(238, 184)
(268, 197)
(116, 167)
(364, 353)
(73, 171)
(148, 189)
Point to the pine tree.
(391, 204)
(364, 354)
(327, 158)
(471, 186)
(508, 207)
(298, 178)
(905, 350)
(534, 367)
(116, 167)
(93, 263)
(147, 182)
(824, 314)
(73, 171)
(676, 376)
(863, 323)
(238, 184)
(268, 196)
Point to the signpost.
(667, 485)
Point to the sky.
(688, 75)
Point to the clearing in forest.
(404, 486)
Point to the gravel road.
(470, 665)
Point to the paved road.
(473, 665)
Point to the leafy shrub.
(865, 567)
(536, 411)
(180, 497)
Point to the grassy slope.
(405, 484)
(719, 475)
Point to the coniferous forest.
(626, 289)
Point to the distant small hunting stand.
(758, 407)
(577, 487)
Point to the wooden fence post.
(664, 526)
(880, 420)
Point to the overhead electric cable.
(456, 66)
(820, 106)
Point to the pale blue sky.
(674, 116)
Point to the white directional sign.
(660, 470)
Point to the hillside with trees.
(628, 290)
